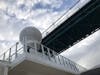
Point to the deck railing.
(43, 52)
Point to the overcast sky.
(17, 14)
(86, 52)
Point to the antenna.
(30, 35)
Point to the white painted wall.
(3, 69)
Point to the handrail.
(46, 52)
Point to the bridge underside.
(78, 26)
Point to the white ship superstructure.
(18, 61)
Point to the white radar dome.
(29, 35)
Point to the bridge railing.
(73, 9)
(43, 52)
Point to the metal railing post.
(35, 46)
(4, 56)
(63, 60)
(25, 45)
(16, 50)
(9, 58)
(43, 53)
(48, 52)
(54, 55)
(59, 59)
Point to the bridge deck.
(78, 26)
